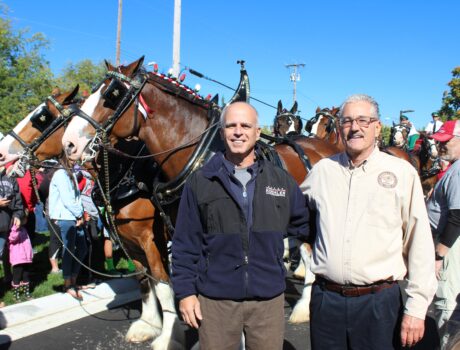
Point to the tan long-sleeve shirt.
(372, 225)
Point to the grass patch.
(44, 283)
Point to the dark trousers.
(55, 240)
(30, 225)
(21, 273)
(366, 322)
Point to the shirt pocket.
(382, 210)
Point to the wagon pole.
(201, 75)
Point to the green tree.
(386, 131)
(25, 76)
(451, 99)
(85, 73)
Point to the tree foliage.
(85, 73)
(451, 100)
(25, 76)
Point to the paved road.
(106, 330)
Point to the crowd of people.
(375, 237)
(67, 211)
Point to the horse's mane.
(174, 87)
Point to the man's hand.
(4, 202)
(190, 310)
(412, 329)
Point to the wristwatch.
(438, 257)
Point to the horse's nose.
(69, 148)
(2, 157)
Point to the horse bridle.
(436, 165)
(395, 129)
(65, 114)
(330, 127)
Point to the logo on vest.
(387, 179)
(277, 192)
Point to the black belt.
(351, 290)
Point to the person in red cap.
(444, 214)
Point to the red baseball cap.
(448, 130)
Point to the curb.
(30, 317)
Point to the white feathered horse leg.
(301, 311)
(171, 336)
(150, 324)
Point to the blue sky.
(400, 52)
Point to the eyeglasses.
(361, 120)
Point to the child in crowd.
(21, 256)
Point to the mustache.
(352, 134)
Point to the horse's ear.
(294, 108)
(215, 99)
(394, 124)
(335, 110)
(280, 108)
(108, 65)
(318, 110)
(72, 95)
(139, 64)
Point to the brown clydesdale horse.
(41, 132)
(178, 127)
(287, 123)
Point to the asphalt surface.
(106, 329)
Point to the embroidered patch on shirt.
(387, 179)
(277, 192)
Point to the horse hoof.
(140, 331)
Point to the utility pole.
(294, 76)
(117, 55)
(176, 38)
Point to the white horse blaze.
(75, 131)
(9, 147)
(314, 128)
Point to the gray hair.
(224, 112)
(375, 111)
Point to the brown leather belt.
(352, 290)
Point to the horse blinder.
(114, 93)
(41, 119)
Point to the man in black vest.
(227, 250)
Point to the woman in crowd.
(66, 210)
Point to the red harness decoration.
(145, 105)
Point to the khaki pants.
(446, 300)
(224, 321)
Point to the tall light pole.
(294, 76)
(117, 55)
(176, 38)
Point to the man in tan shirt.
(372, 230)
